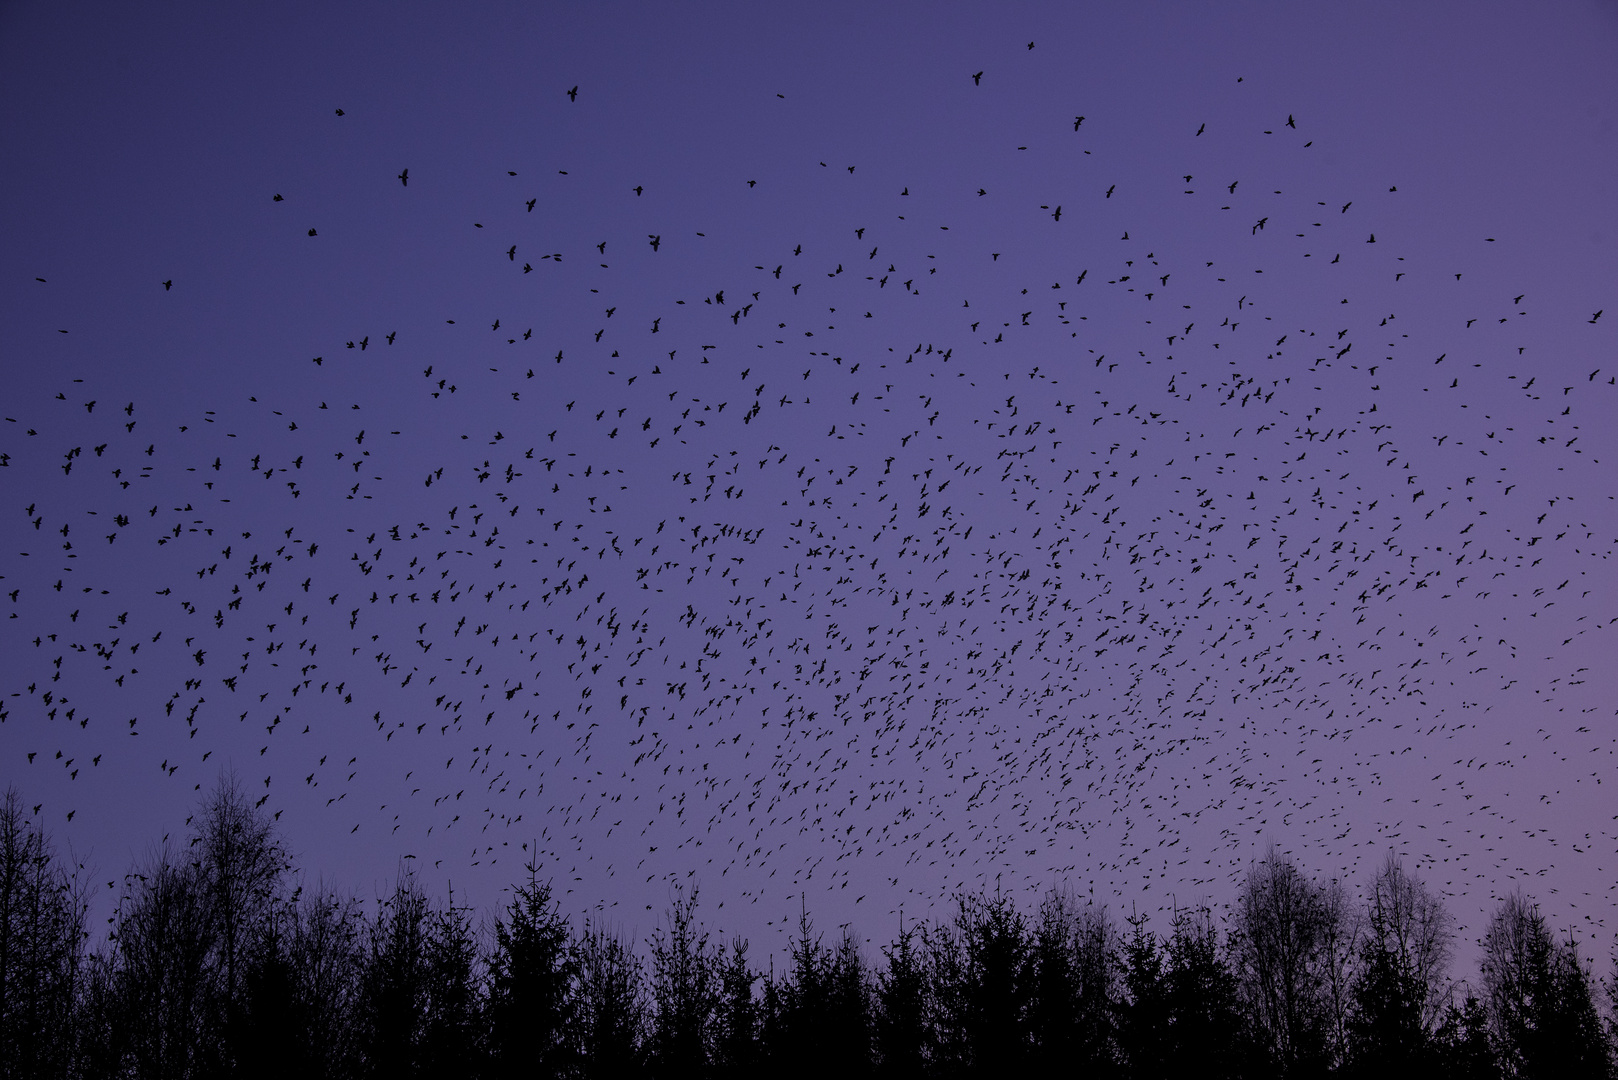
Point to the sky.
(819, 456)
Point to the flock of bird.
(936, 548)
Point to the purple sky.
(744, 477)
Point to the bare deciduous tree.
(241, 865)
(165, 974)
(1285, 927)
(41, 948)
(327, 953)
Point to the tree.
(685, 991)
(610, 1018)
(1339, 938)
(327, 950)
(736, 1023)
(262, 1026)
(1284, 927)
(848, 1011)
(164, 975)
(1205, 1030)
(1399, 991)
(1144, 1028)
(451, 1046)
(394, 984)
(985, 979)
(41, 949)
(1541, 1005)
(1574, 1043)
(802, 1035)
(531, 974)
(1461, 1042)
(1071, 1001)
(241, 865)
(1095, 968)
(899, 1027)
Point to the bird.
(167, 285)
(404, 178)
(882, 606)
(573, 94)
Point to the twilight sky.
(837, 455)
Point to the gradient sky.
(807, 470)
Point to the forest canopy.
(217, 963)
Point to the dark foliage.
(41, 949)
(531, 975)
(213, 968)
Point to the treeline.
(215, 965)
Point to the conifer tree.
(394, 987)
(531, 972)
(736, 1041)
(685, 993)
(1205, 1029)
(900, 1032)
(609, 1012)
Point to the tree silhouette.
(610, 1019)
(848, 1011)
(531, 972)
(41, 949)
(262, 1022)
(1071, 1008)
(211, 970)
(1398, 991)
(1283, 937)
(327, 948)
(802, 1026)
(394, 984)
(900, 1022)
(451, 1046)
(1143, 1031)
(1541, 1006)
(1461, 1043)
(737, 1021)
(1206, 1033)
(240, 866)
(984, 979)
(685, 990)
(163, 975)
